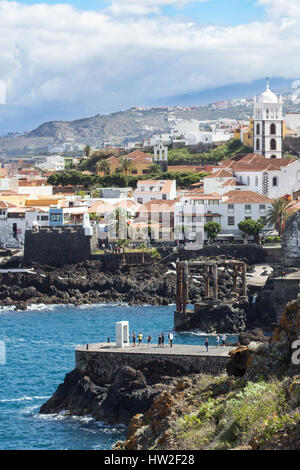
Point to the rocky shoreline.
(90, 282)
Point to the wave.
(15, 400)
(202, 333)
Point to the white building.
(54, 162)
(15, 220)
(237, 206)
(193, 211)
(252, 172)
(148, 190)
(268, 124)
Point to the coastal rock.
(127, 396)
(257, 335)
(118, 402)
(220, 318)
(77, 394)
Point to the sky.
(63, 60)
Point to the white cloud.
(281, 8)
(145, 7)
(59, 58)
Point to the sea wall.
(102, 366)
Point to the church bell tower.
(268, 124)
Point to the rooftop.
(240, 197)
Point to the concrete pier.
(105, 359)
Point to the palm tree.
(87, 151)
(123, 244)
(155, 169)
(279, 213)
(118, 222)
(126, 164)
(104, 166)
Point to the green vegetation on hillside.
(231, 413)
(222, 152)
(77, 178)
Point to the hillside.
(117, 128)
(122, 127)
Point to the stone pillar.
(207, 289)
(185, 286)
(216, 290)
(244, 280)
(234, 278)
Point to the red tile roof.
(240, 197)
(255, 163)
(221, 174)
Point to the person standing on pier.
(206, 344)
(223, 339)
(140, 338)
(218, 341)
(159, 341)
(162, 339)
(133, 338)
(171, 339)
(149, 340)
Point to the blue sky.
(230, 12)
(62, 60)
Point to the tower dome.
(268, 96)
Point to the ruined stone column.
(185, 270)
(234, 278)
(215, 274)
(207, 287)
(244, 280)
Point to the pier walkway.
(177, 349)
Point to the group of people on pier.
(161, 340)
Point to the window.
(231, 220)
(256, 181)
(56, 218)
(273, 129)
(275, 181)
(257, 129)
(134, 172)
(248, 218)
(257, 144)
(2, 212)
(15, 230)
(164, 196)
(262, 208)
(44, 217)
(230, 207)
(248, 208)
(213, 202)
(273, 144)
(273, 156)
(248, 180)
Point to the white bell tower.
(268, 124)
(161, 157)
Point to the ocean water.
(39, 346)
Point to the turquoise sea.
(39, 345)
